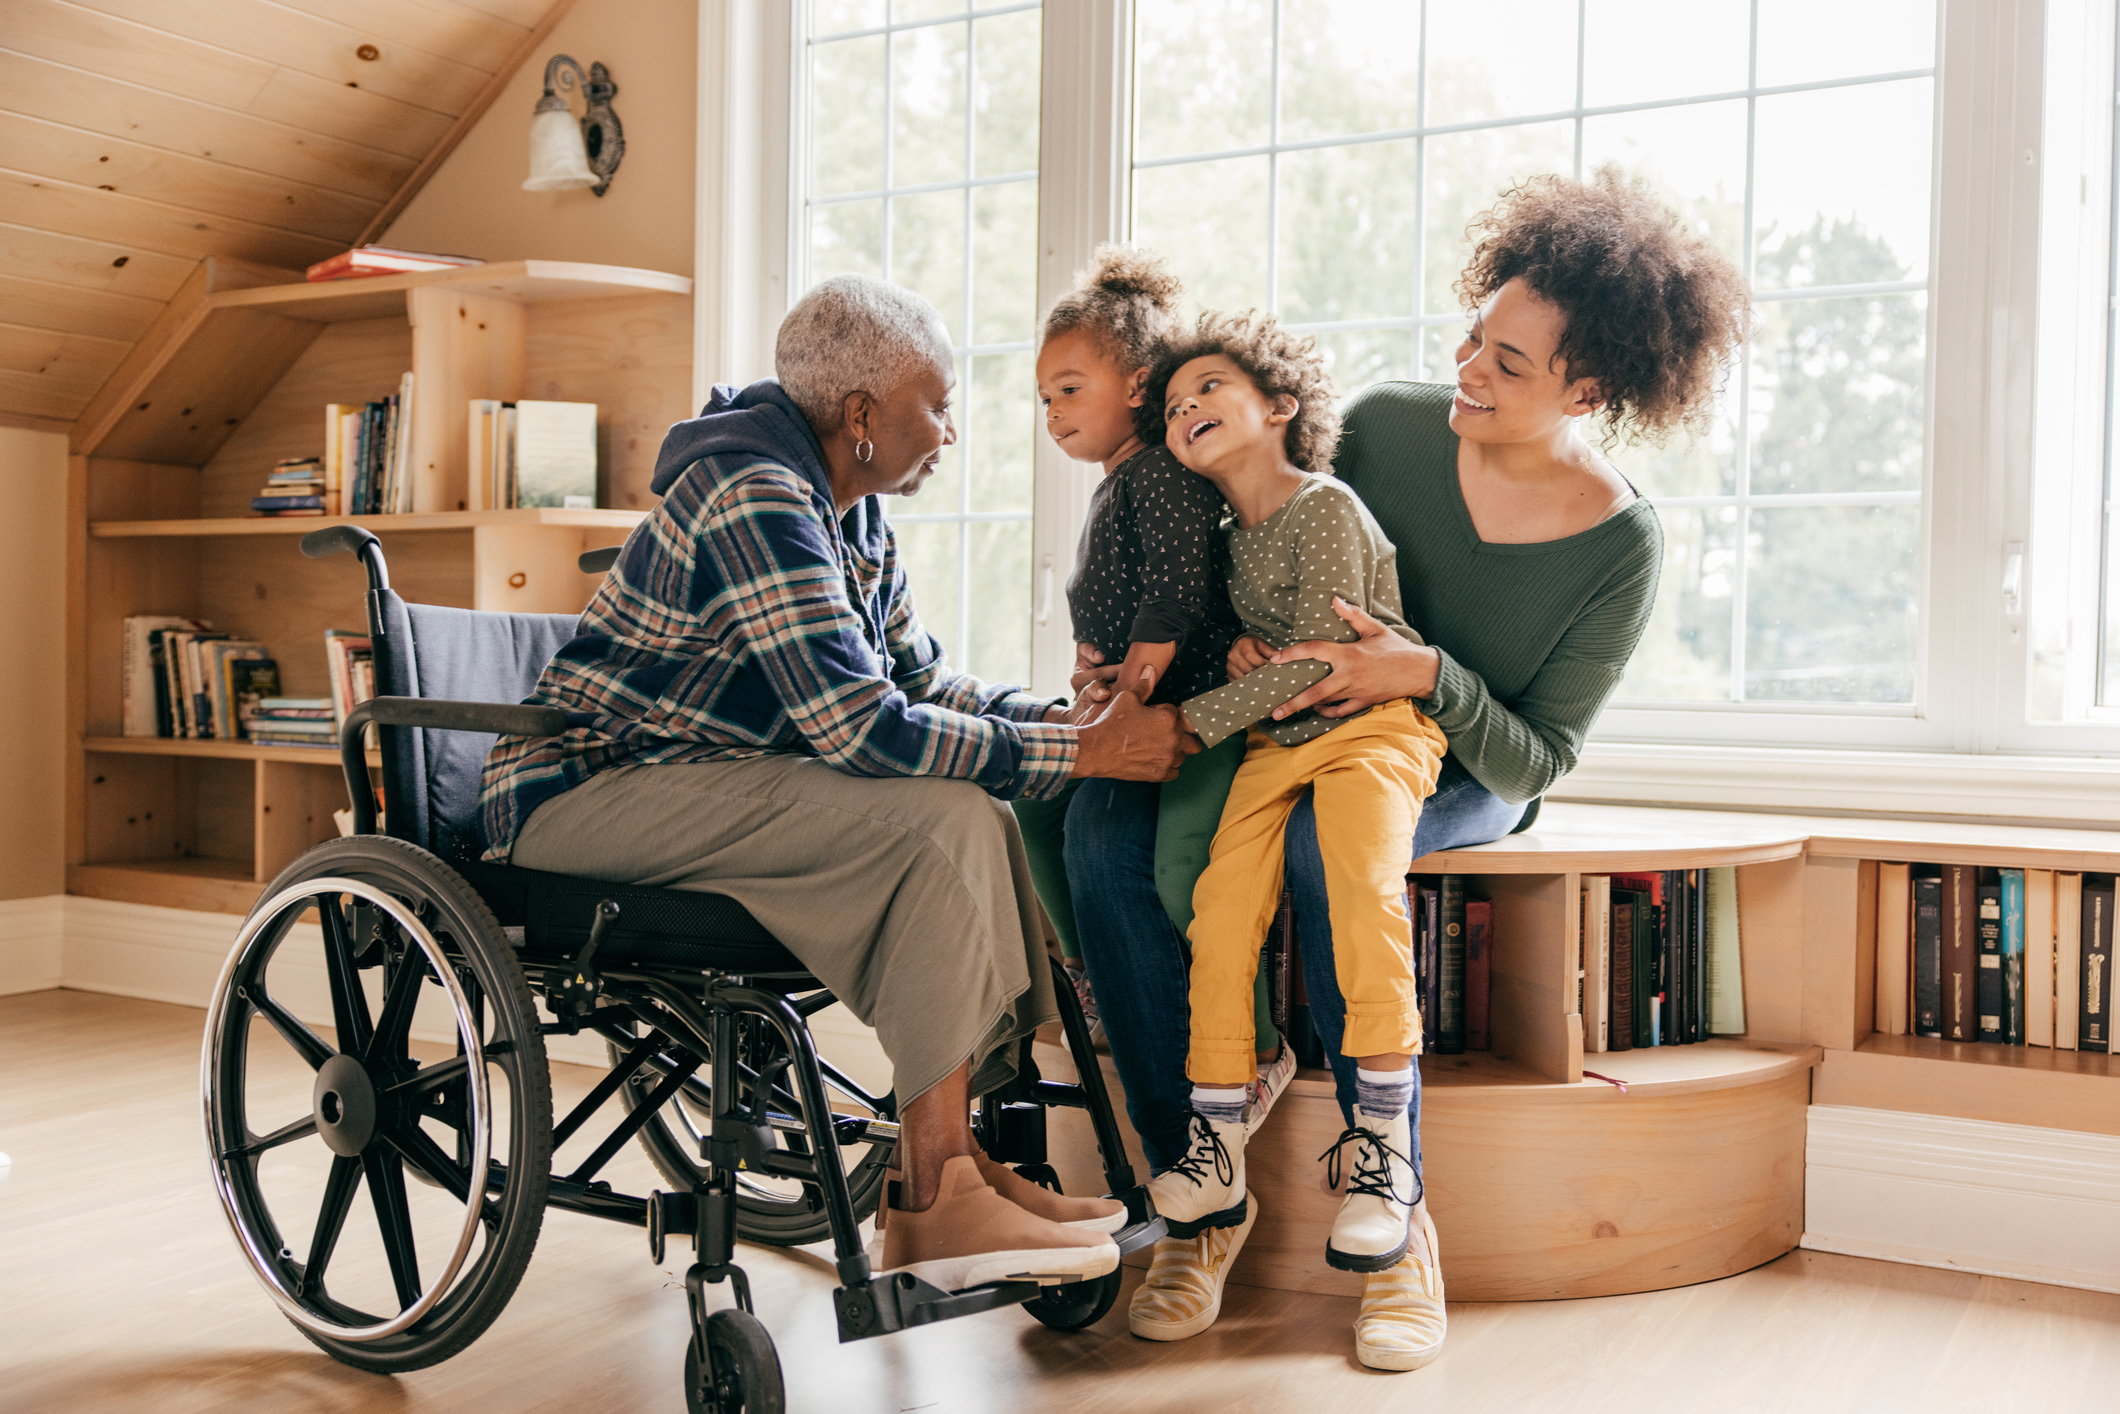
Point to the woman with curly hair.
(1529, 565)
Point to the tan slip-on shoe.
(1183, 1292)
(971, 1236)
(1403, 1318)
(1090, 1214)
(1273, 1080)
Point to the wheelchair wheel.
(433, 1068)
(775, 1212)
(1075, 1305)
(742, 1370)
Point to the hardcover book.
(2012, 888)
(1895, 936)
(1987, 934)
(1723, 955)
(2094, 1027)
(2068, 958)
(1597, 962)
(2039, 957)
(1961, 952)
(1450, 1028)
(1620, 1035)
(1479, 948)
(1928, 949)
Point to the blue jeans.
(1136, 958)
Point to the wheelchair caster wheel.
(742, 1370)
(1075, 1305)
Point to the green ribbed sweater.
(1533, 637)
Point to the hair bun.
(1131, 270)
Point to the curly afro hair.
(1653, 312)
(1275, 360)
(1128, 298)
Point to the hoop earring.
(864, 449)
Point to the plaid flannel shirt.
(742, 621)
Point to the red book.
(1479, 943)
(368, 260)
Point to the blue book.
(287, 503)
(1987, 981)
(2012, 956)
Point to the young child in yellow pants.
(1249, 406)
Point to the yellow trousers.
(1369, 776)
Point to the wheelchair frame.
(689, 1018)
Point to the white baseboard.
(1968, 1195)
(32, 943)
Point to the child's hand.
(1247, 653)
(1091, 681)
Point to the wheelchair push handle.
(599, 560)
(337, 539)
(434, 714)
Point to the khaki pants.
(909, 897)
(1370, 775)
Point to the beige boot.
(1374, 1227)
(971, 1236)
(1205, 1188)
(1403, 1318)
(1091, 1214)
(1183, 1292)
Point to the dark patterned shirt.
(1150, 569)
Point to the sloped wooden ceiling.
(138, 137)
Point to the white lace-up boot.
(1205, 1188)
(1372, 1231)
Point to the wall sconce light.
(566, 155)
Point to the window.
(922, 168)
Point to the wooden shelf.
(220, 750)
(204, 884)
(2033, 1085)
(599, 519)
(1721, 1064)
(1607, 839)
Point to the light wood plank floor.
(120, 1289)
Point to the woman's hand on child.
(1377, 667)
(1092, 679)
(1247, 653)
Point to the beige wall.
(476, 205)
(32, 645)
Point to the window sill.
(1818, 780)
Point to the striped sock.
(1223, 1106)
(1382, 1095)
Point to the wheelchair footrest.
(1143, 1226)
(901, 1300)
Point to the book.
(1652, 963)
(2094, 1024)
(1479, 948)
(1987, 941)
(2068, 958)
(2012, 906)
(555, 454)
(1961, 950)
(1895, 937)
(286, 503)
(1697, 1010)
(250, 681)
(137, 715)
(483, 430)
(349, 657)
(1928, 949)
(1428, 948)
(369, 260)
(1597, 962)
(1450, 929)
(1723, 955)
(217, 660)
(2039, 957)
(1619, 1035)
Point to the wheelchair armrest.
(499, 718)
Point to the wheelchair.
(435, 1071)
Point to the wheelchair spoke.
(307, 1044)
(429, 1078)
(420, 1150)
(395, 1025)
(393, 1216)
(331, 1219)
(301, 1128)
(349, 1004)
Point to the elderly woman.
(755, 709)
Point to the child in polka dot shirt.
(1249, 407)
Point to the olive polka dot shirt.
(1150, 570)
(1283, 575)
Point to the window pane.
(1694, 155)
(846, 80)
(1348, 232)
(1201, 75)
(1837, 393)
(1685, 653)
(1856, 154)
(927, 251)
(846, 239)
(1476, 71)
(1801, 41)
(1349, 66)
(999, 407)
(1006, 96)
(1004, 263)
(1688, 464)
(1466, 172)
(904, 10)
(927, 101)
(1438, 348)
(931, 552)
(1360, 357)
(1209, 220)
(1830, 604)
(1001, 600)
(1637, 51)
(837, 16)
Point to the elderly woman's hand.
(1129, 742)
(1377, 667)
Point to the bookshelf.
(234, 376)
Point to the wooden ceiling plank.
(322, 48)
(83, 211)
(60, 354)
(101, 44)
(431, 161)
(34, 398)
(91, 264)
(350, 114)
(190, 183)
(516, 12)
(27, 422)
(436, 26)
(91, 101)
(46, 306)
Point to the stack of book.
(368, 454)
(367, 260)
(297, 486)
(1452, 944)
(182, 679)
(351, 658)
(1658, 960)
(531, 453)
(2009, 957)
(294, 721)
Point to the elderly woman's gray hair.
(855, 334)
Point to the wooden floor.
(120, 1289)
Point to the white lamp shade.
(559, 160)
